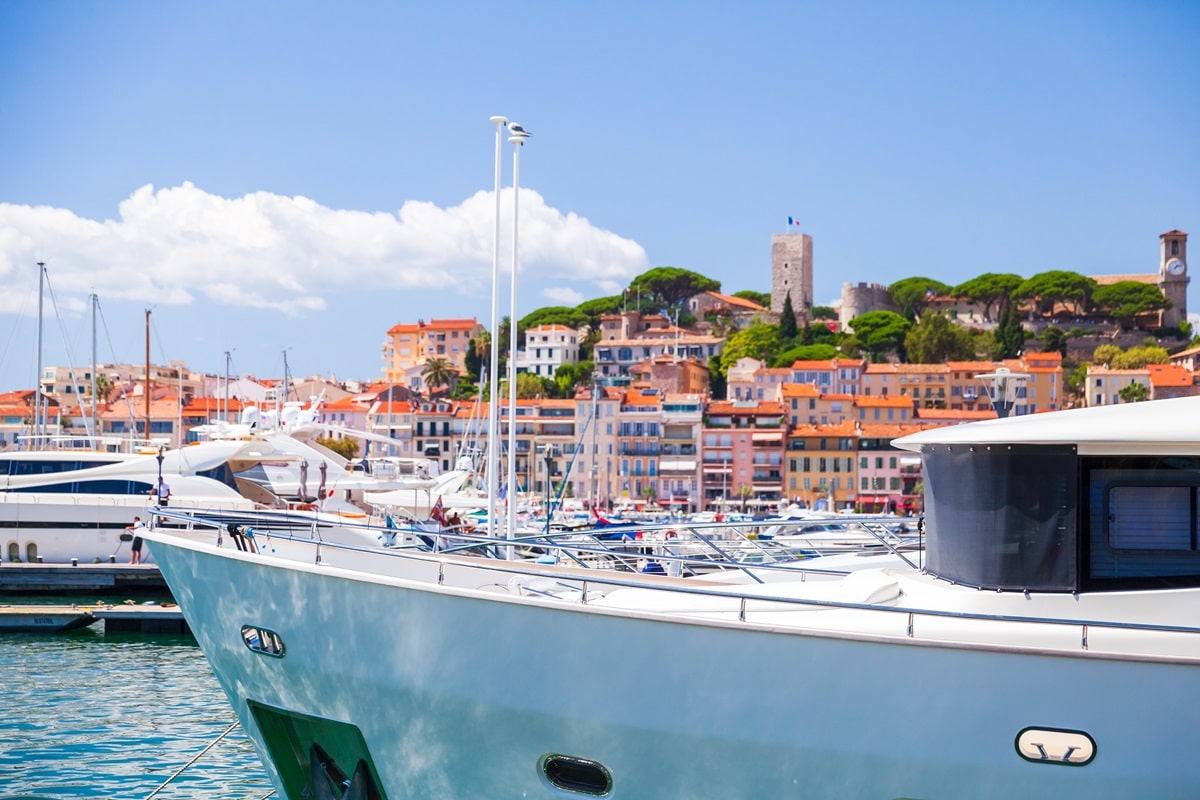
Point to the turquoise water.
(89, 715)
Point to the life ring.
(671, 534)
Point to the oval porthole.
(1056, 746)
(578, 775)
(262, 640)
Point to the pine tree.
(787, 321)
(1010, 336)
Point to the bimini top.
(1156, 426)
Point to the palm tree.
(745, 492)
(439, 373)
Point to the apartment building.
(548, 347)
(820, 468)
(410, 345)
(742, 454)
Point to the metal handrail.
(614, 580)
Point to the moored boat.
(1047, 648)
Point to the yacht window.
(1142, 522)
(1150, 518)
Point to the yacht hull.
(464, 690)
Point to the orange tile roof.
(970, 366)
(883, 401)
(824, 364)
(946, 414)
(799, 390)
(760, 408)
(843, 428)
(737, 301)
(1169, 375)
(882, 430)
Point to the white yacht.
(1049, 646)
(63, 504)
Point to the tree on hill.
(787, 321)
(438, 373)
(936, 339)
(479, 350)
(762, 298)
(667, 287)
(345, 447)
(569, 376)
(1124, 300)
(991, 289)
(593, 310)
(553, 315)
(1055, 340)
(880, 331)
(805, 352)
(824, 312)
(1105, 354)
(1058, 287)
(760, 341)
(716, 376)
(912, 295)
(1134, 393)
(1010, 335)
(1139, 357)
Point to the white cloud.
(178, 245)
(563, 296)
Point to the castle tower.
(1172, 275)
(791, 274)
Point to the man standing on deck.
(163, 491)
(135, 549)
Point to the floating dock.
(89, 578)
(148, 618)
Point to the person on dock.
(135, 549)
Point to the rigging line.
(113, 355)
(62, 331)
(18, 319)
(195, 758)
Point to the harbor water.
(90, 715)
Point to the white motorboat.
(70, 503)
(1050, 647)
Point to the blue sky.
(297, 175)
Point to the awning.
(910, 461)
(717, 469)
(688, 465)
(774, 436)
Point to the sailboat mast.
(95, 420)
(37, 384)
(147, 374)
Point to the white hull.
(59, 527)
(459, 692)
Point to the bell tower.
(1172, 275)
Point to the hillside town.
(666, 407)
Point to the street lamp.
(157, 489)
(548, 455)
(493, 431)
(517, 139)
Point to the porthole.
(262, 640)
(578, 775)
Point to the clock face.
(1175, 266)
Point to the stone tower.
(791, 274)
(1172, 276)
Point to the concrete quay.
(80, 578)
